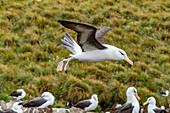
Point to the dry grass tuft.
(30, 50)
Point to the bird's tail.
(70, 44)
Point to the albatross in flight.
(132, 104)
(91, 46)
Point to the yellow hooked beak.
(145, 103)
(137, 96)
(128, 60)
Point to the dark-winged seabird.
(19, 94)
(152, 108)
(89, 104)
(158, 110)
(164, 93)
(45, 100)
(132, 104)
(125, 108)
(16, 108)
(91, 46)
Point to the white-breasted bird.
(132, 104)
(18, 94)
(89, 104)
(164, 93)
(45, 100)
(91, 46)
(152, 108)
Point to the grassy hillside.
(30, 49)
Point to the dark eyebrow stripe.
(134, 91)
(121, 53)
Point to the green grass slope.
(30, 49)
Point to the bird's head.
(23, 92)
(123, 56)
(48, 96)
(167, 92)
(94, 97)
(132, 91)
(150, 100)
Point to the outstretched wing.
(101, 31)
(86, 35)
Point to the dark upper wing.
(157, 110)
(162, 93)
(101, 31)
(126, 108)
(164, 111)
(8, 111)
(34, 102)
(86, 35)
(16, 93)
(83, 104)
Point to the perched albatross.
(152, 108)
(89, 104)
(19, 94)
(164, 93)
(16, 108)
(132, 104)
(91, 46)
(43, 101)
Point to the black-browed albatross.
(132, 104)
(91, 46)
(45, 100)
(152, 108)
(164, 93)
(19, 94)
(89, 104)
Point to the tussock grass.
(30, 50)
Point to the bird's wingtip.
(59, 21)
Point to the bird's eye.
(121, 53)
(134, 91)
